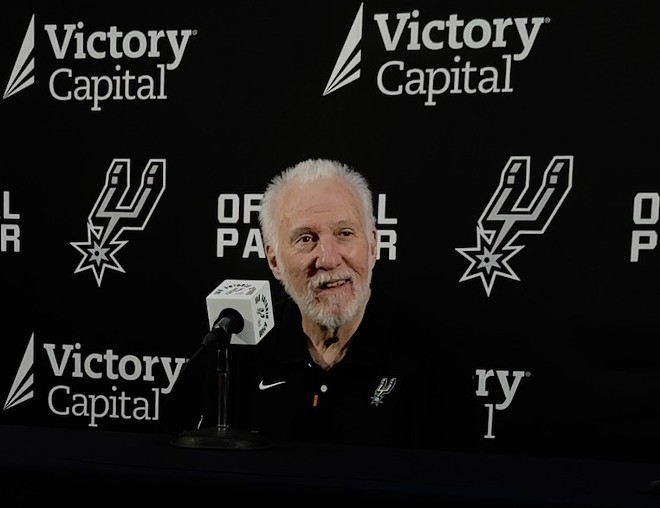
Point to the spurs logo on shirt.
(386, 386)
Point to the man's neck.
(328, 346)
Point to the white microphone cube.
(251, 299)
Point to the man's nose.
(328, 254)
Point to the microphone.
(240, 311)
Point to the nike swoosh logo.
(264, 386)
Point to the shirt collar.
(369, 344)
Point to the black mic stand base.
(222, 438)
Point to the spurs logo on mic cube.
(251, 299)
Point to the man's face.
(325, 253)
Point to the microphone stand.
(222, 436)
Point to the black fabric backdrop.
(570, 324)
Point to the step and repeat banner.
(512, 152)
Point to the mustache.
(321, 280)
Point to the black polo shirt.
(397, 386)
(392, 388)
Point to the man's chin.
(337, 313)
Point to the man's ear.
(272, 262)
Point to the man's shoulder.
(398, 313)
(394, 310)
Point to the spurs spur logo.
(385, 386)
(111, 215)
(505, 219)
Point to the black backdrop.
(559, 323)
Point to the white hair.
(308, 171)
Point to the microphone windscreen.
(251, 299)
